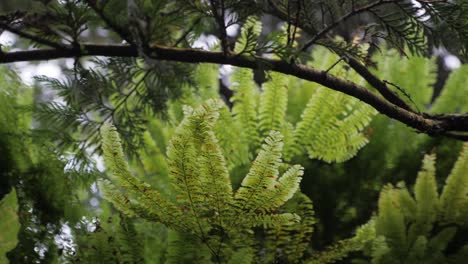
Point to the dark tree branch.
(31, 37)
(219, 16)
(378, 84)
(425, 123)
(123, 33)
(322, 33)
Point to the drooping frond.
(149, 202)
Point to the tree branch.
(342, 19)
(430, 124)
(361, 69)
(31, 37)
(123, 33)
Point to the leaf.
(9, 224)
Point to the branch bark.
(448, 125)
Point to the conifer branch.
(342, 19)
(432, 125)
(31, 37)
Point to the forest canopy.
(228, 131)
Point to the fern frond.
(245, 100)
(407, 203)
(149, 203)
(412, 77)
(342, 248)
(284, 189)
(184, 248)
(273, 103)
(453, 96)
(212, 169)
(262, 175)
(390, 221)
(228, 133)
(272, 220)
(440, 241)
(248, 40)
(454, 195)
(427, 198)
(288, 243)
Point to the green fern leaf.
(427, 198)
(453, 96)
(454, 195)
(273, 103)
(262, 175)
(245, 102)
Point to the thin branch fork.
(447, 125)
(322, 33)
(361, 69)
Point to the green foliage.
(44, 188)
(423, 229)
(451, 99)
(113, 240)
(206, 207)
(9, 224)
(222, 191)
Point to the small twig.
(182, 38)
(334, 64)
(403, 92)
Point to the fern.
(331, 124)
(206, 208)
(288, 243)
(273, 102)
(420, 229)
(245, 106)
(342, 248)
(453, 198)
(452, 97)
